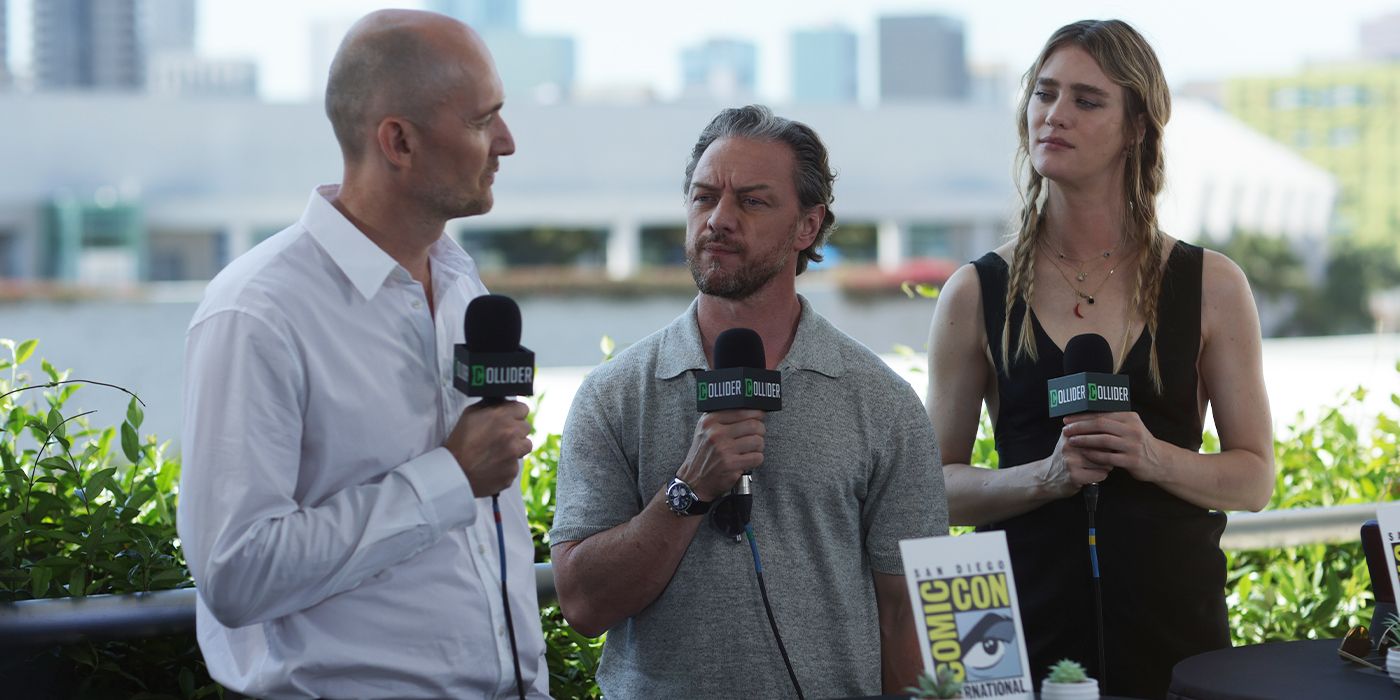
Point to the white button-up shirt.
(338, 548)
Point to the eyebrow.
(1077, 87)
(740, 190)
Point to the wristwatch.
(682, 499)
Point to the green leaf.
(186, 682)
(134, 414)
(131, 444)
(25, 350)
(56, 464)
(77, 583)
(39, 581)
(50, 371)
(100, 481)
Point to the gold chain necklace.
(1080, 273)
(1086, 296)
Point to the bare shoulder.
(1222, 280)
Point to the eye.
(1044, 95)
(986, 654)
(754, 202)
(1088, 104)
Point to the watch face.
(679, 496)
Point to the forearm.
(900, 657)
(615, 574)
(978, 496)
(1237, 479)
(259, 558)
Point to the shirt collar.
(814, 347)
(365, 264)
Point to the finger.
(1104, 442)
(1106, 459)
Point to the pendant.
(1090, 298)
(1081, 276)
(1076, 310)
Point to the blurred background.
(146, 143)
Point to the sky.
(624, 44)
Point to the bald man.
(335, 504)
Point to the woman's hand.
(1071, 468)
(1115, 440)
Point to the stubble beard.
(744, 282)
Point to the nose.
(722, 216)
(1054, 116)
(504, 142)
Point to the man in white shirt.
(335, 506)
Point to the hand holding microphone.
(491, 436)
(1087, 388)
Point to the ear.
(808, 227)
(397, 140)
(1141, 129)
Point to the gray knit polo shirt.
(850, 469)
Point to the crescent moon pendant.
(1076, 310)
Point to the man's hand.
(726, 444)
(488, 442)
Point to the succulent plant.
(1390, 632)
(1066, 671)
(936, 687)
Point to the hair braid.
(1021, 284)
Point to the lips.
(1055, 142)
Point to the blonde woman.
(1088, 258)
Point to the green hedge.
(87, 510)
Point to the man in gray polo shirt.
(844, 472)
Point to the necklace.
(1085, 296)
(1080, 273)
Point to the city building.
(87, 44)
(922, 57)
(484, 15)
(824, 65)
(538, 68)
(1380, 38)
(167, 25)
(170, 190)
(720, 70)
(178, 74)
(1340, 116)
(5, 78)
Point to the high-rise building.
(1342, 118)
(1380, 38)
(167, 25)
(533, 67)
(725, 70)
(922, 57)
(4, 61)
(824, 65)
(482, 15)
(87, 44)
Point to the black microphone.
(492, 364)
(1090, 386)
(740, 379)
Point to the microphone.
(492, 364)
(1089, 386)
(740, 379)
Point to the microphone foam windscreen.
(493, 324)
(1088, 352)
(739, 347)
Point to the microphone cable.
(1091, 502)
(505, 598)
(763, 589)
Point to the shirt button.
(417, 304)
(502, 631)
(481, 548)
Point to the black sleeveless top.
(1161, 569)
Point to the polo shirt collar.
(813, 348)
